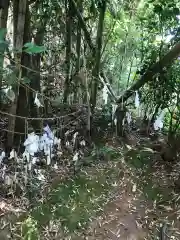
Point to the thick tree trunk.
(35, 76)
(68, 48)
(19, 13)
(3, 24)
(78, 51)
(23, 103)
(95, 73)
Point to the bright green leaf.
(33, 48)
(29, 44)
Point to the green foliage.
(3, 43)
(172, 122)
(29, 229)
(32, 48)
(3, 32)
(133, 43)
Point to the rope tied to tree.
(39, 119)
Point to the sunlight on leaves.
(32, 48)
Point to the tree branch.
(151, 72)
(84, 28)
(148, 76)
(91, 45)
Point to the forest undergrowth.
(89, 119)
(125, 192)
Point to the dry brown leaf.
(167, 208)
(134, 188)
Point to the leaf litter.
(114, 199)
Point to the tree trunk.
(90, 43)
(23, 103)
(68, 48)
(95, 73)
(35, 76)
(151, 72)
(84, 28)
(78, 51)
(3, 24)
(120, 115)
(19, 13)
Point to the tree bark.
(19, 13)
(3, 24)
(35, 76)
(68, 48)
(23, 98)
(78, 51)
(95, 73)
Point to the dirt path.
(131, 215)
(121, 220)
(122, 217)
